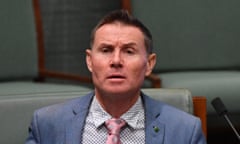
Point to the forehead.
(119, 31)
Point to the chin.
(121, 90)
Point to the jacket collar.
(74, 128)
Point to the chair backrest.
(18, 49)
(191, 35)
(179, 98)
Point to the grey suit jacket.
(63, 123)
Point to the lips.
(116, 76)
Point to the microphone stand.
(222, 111)
(231, 125)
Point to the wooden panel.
(126, 4)
(200, 110)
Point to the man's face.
(118, 59)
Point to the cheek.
(138, 68)
(98, 65)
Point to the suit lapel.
(74, 127)
(155, 129)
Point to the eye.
(106, 49)
(130, 51)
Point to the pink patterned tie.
(114, 126)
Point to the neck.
(116, 105)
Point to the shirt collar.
(98, 113)
(133, 117)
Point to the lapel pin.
(156, 129)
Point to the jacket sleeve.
(198, 136)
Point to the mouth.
(116, 76)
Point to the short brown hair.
(124, 17)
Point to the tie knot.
(114, 125)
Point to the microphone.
(222, 111)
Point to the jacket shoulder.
(64, 108)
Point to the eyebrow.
(129, 44)
(105, 45)
(124, 45)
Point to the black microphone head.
(219, 106)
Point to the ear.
(89, 59)
(151, 63)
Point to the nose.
(116, 61)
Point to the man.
(119, 59)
